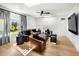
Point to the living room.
(43, 17)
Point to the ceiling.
(56, 9)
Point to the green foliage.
(14, 24)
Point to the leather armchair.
(22, 37)
(53, 38)
(19, 40)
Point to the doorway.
(15, 25)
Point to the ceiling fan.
(43, 12)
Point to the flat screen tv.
(73, 24)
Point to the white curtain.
(4, 17)
(23, 23)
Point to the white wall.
(62, 28)
(31, 24)
(74, 38)
(44, 23)
(55, 24)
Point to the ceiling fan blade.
(47, 13)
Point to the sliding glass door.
(15, 25)
(10, 25)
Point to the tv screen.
(72, 24)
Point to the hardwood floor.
(63, 48)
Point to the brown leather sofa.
(40, 45)
(43, 39)
(39, 42)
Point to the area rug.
(23, 49)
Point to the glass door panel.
(15, 25)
